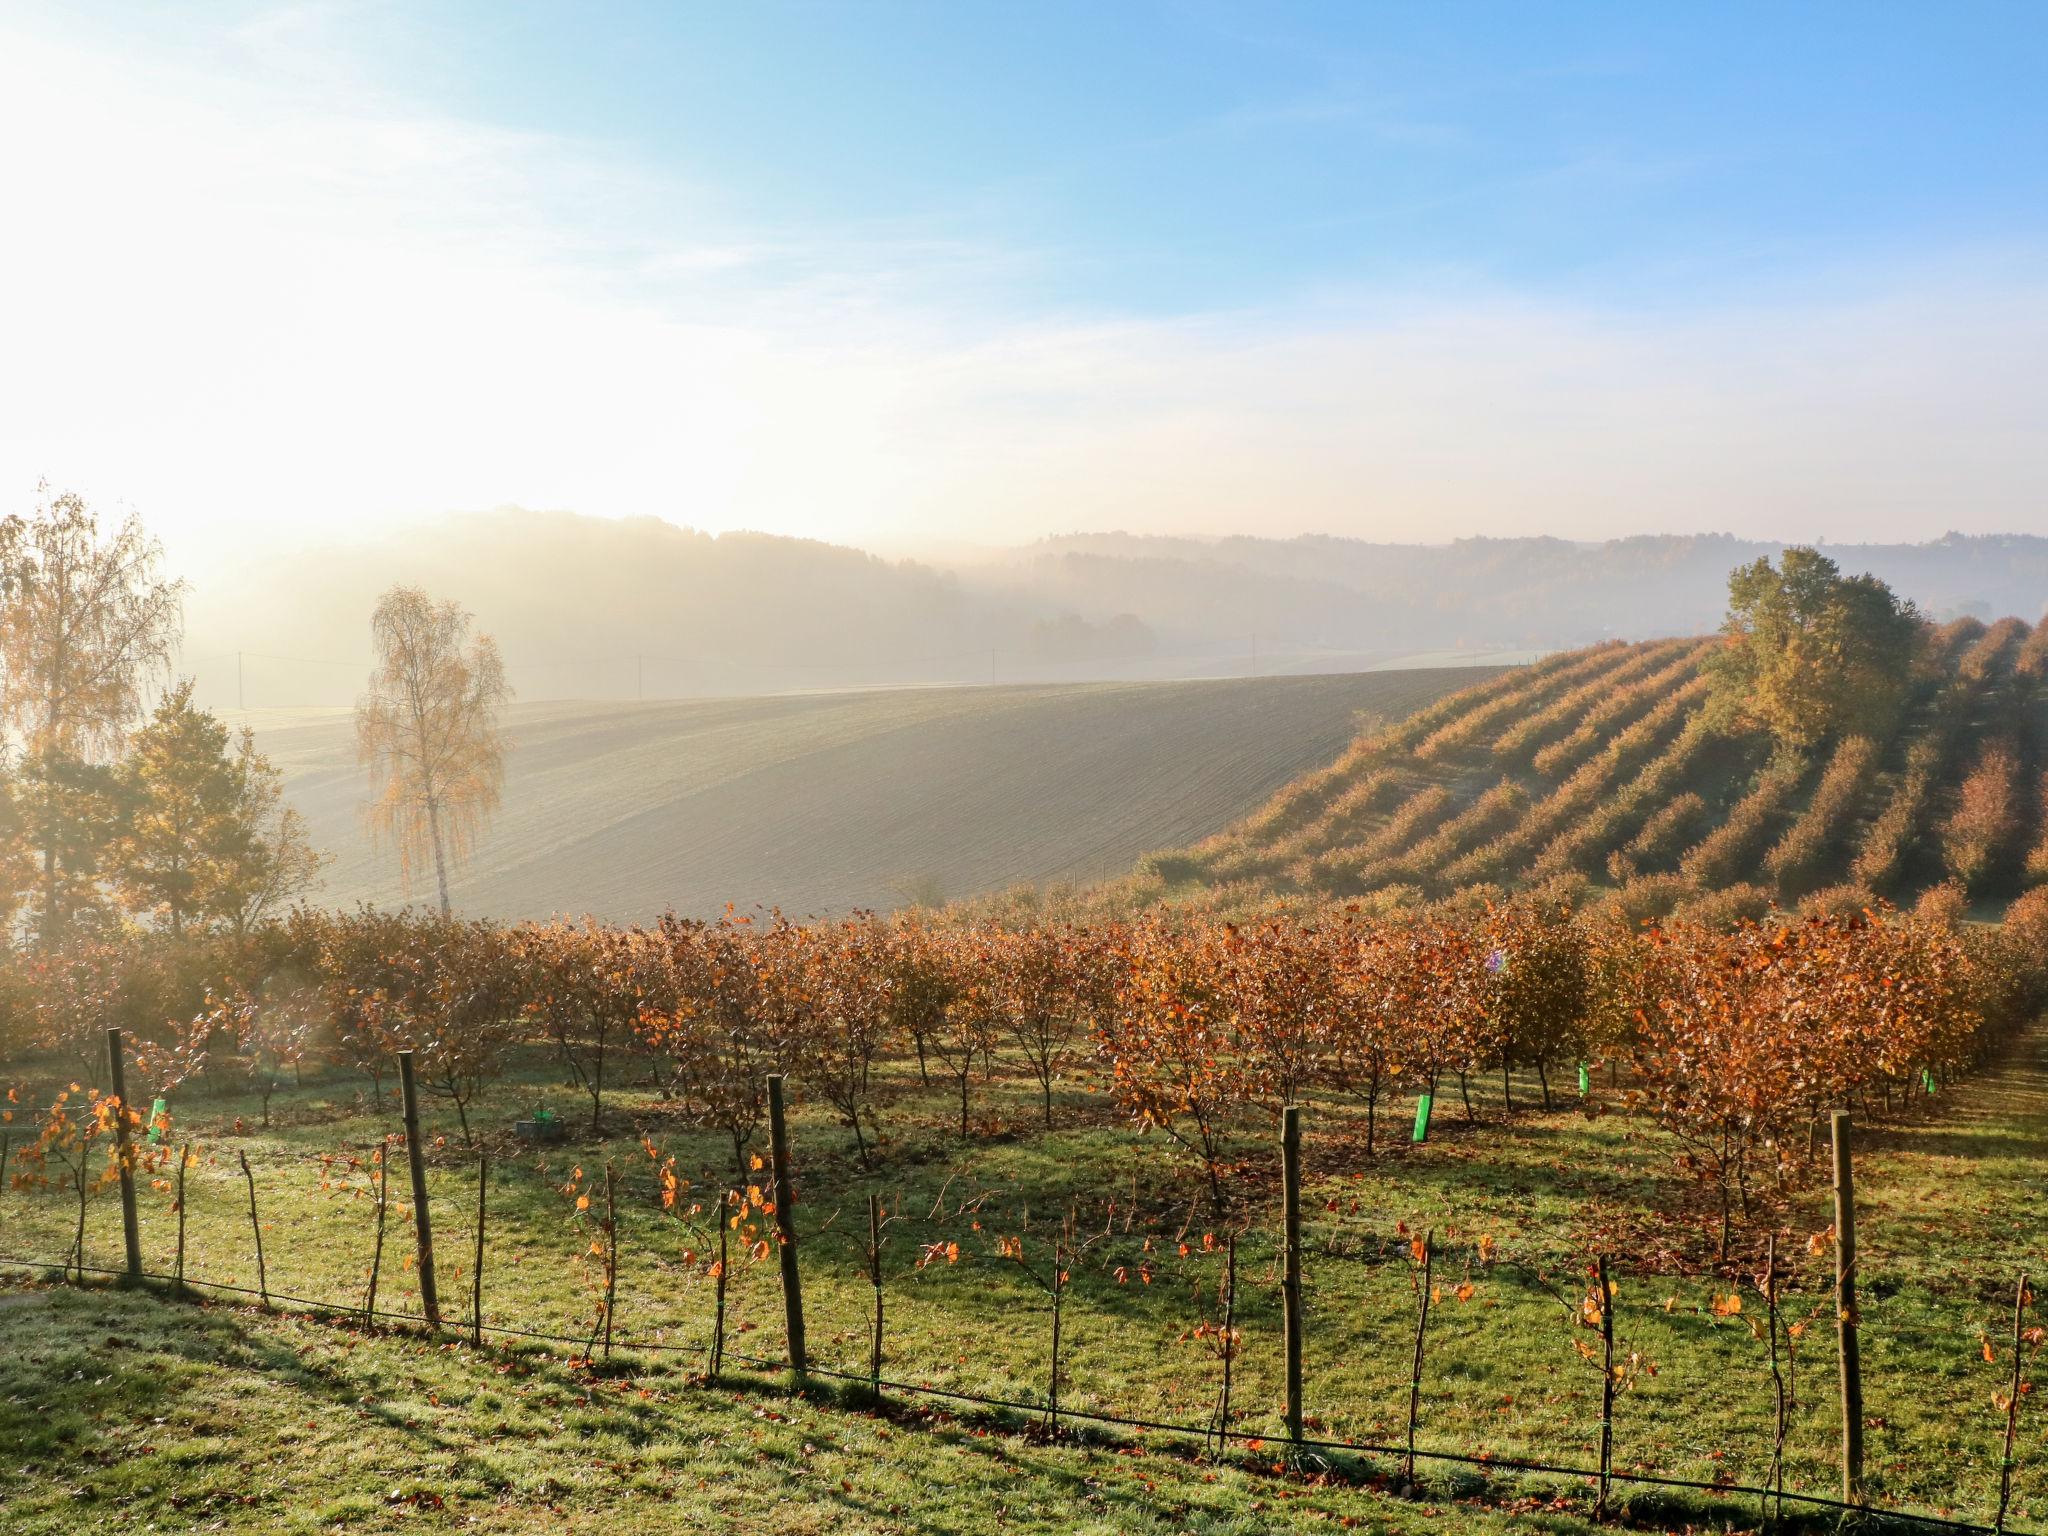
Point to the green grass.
(318, 1424)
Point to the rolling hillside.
(1600, 765)
(829, 801)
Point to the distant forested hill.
(1536, 593)
(634, 608)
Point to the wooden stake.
(423, 1226)
(1415, 1367)
(1229, 1341)
(1776, 1480)
(1606, 1386)
(476, 1270)
(6, 1142)
(124, 1157)
(611, 1251)
(178, 1270)
(785, 1227)
(1290, 1271)
(2012, 1405)
(377, 1253)
(1060, 1249)
(255, 1226)
(718, 1290)
(875, 1283)
(1845, 1312)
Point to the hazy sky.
(972, 272)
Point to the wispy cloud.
(287, 301)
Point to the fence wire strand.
(456, 1326)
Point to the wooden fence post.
(476, 1270)
(131, 1233)
(785, 1227)
(1606, 1386)
(423, 1226)
(1845, 1311)
(1415, 1365)
(255, 1226)
(1290, 1264)
(2012, 1403)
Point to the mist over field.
(822, 803)
(597, 608)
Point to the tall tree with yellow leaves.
(428, 732)
(87, 623)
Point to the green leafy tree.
(205, 837)
(181, 831)
(65, 817)
(1811, 654)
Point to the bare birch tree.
(428, 731)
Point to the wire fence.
(758, 1222)
(631, 1344)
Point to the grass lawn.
(221, 1415)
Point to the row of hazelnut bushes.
(1660, 839)
(1731, 848)
(1562, 757)
(1412, 820)
(1359, 866)
(1597, 665)
(1348, 816)
(1624, 755)
(1486, 817)
(1297, 804)
(1585, 845)
(1988, 815)
(1519, 745)
(2035, 870)
(1799, 860)
(1892, 834)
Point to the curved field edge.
(821, 803)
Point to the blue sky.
(1168, 156)
(917, 273)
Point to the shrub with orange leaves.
(1172, 1054)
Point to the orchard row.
(1734, 1042)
